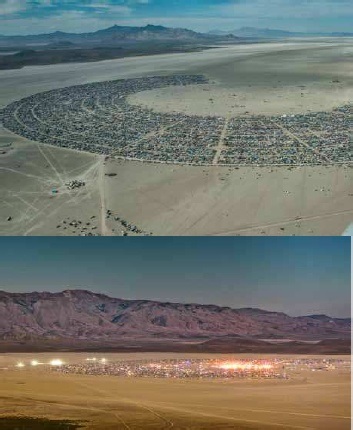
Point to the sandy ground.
(28, 175)
(217, 101)
(217, 64)
(226, 201)
(274, 83)
(309, 400)
(166, 199)
(184, 200)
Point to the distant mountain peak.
(155, 27)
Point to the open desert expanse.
(307, 400)
(174, 199)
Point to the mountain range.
(268, 33)
(126, 35)
(81, 317)
(113, 36)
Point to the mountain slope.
(83, 315)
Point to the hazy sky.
(38, 16)
(294, 275)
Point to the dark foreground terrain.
(217, 345)
(28, 423)
(31, 57)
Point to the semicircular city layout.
(99, 118)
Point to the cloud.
(284, 8)
(9, 7)
(70, 21)
(37, 8)
(202, 15)
(78, 21)
(109, 8)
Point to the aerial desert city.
(116, 129)
(208, 333)
(176, 213)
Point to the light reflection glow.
(236, 365)
(56, 362)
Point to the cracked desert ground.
(169, 199)
(308, 400)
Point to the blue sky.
(38, 16)
(296, 275)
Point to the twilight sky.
(295, 275)
(39, 16)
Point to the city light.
(274, 368)
(94, 359)
(236, 365)
(180, 368)
(56, 362)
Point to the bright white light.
(20, 364)
(103, 360)
(34, 363)
(56, 362)
(244, 366)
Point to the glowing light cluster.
(94, 359)
(155, 366)
(236, 365)
(57, 362)
(20, 364)
(35, 363)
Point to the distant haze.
(298, 276)
(29, 17)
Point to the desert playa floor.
(165, 199)
(308, 400)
